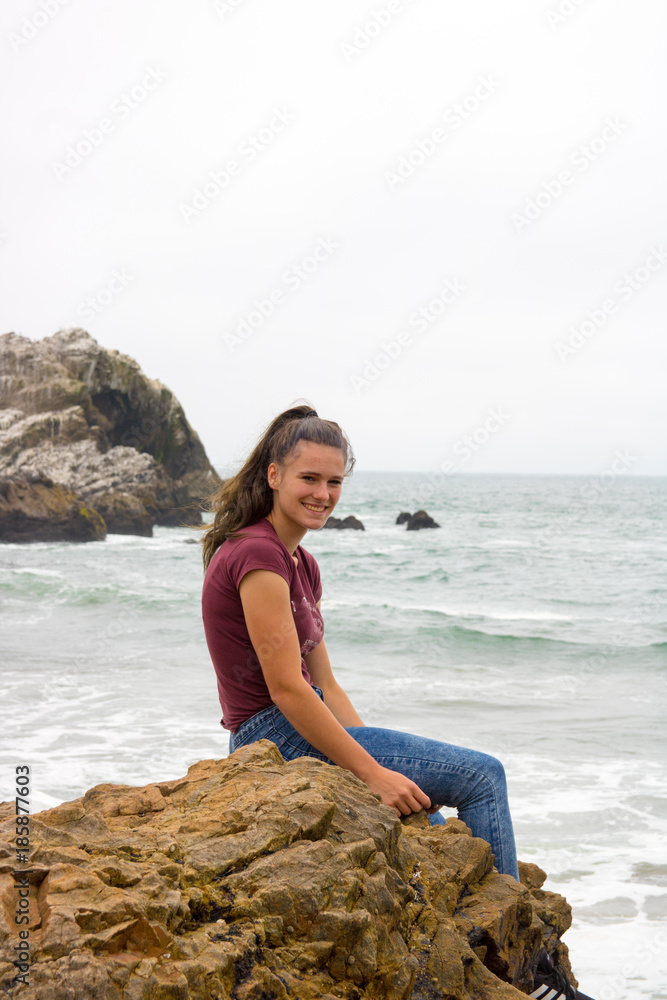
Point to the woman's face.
(307, 486)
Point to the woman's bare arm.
(266, 605)
(335, 698)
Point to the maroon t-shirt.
(241, 685)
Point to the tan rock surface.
(253, 878)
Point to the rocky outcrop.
(34, 509)
(346, 522)
(89, 420)
(403, 517)
(257, 879)
(420, 520)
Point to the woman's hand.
(398, 791)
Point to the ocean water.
(531, 625)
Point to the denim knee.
(494, 771)
(497, 772)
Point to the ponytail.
(247, 497)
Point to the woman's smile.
(315, 508)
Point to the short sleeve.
(258, 553)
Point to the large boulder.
(88, 419)
(256, 878)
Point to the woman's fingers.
(402, 793)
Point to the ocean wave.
(469, 634)
(495, 615)
(433, 576)
(474, 612)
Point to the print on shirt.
(310, 615)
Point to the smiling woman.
(265, 633)
(261, 613)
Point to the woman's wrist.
(367, 770)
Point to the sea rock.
(255, 878)
(35, 509)
(89, 420)
(403, 517)
(346, 522)
(421, 520)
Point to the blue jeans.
(472, 782)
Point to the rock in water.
(253, 878)
(421, 520)
(34, 509)
(346, 522)
(403, 517)
(89, 420)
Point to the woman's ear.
(272, 475)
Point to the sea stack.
(89, 444)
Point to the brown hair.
(246, 497)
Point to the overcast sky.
(443, 224)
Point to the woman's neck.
(289, 533)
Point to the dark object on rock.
(403, 517)
(89, 420)
(421, 520)
(347, 522)
(34, 509)
(253, 878)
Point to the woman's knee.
(494, 770)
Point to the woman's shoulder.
(257, 544)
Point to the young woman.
(264, 630)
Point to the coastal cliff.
(253, 878)
(89, 444)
